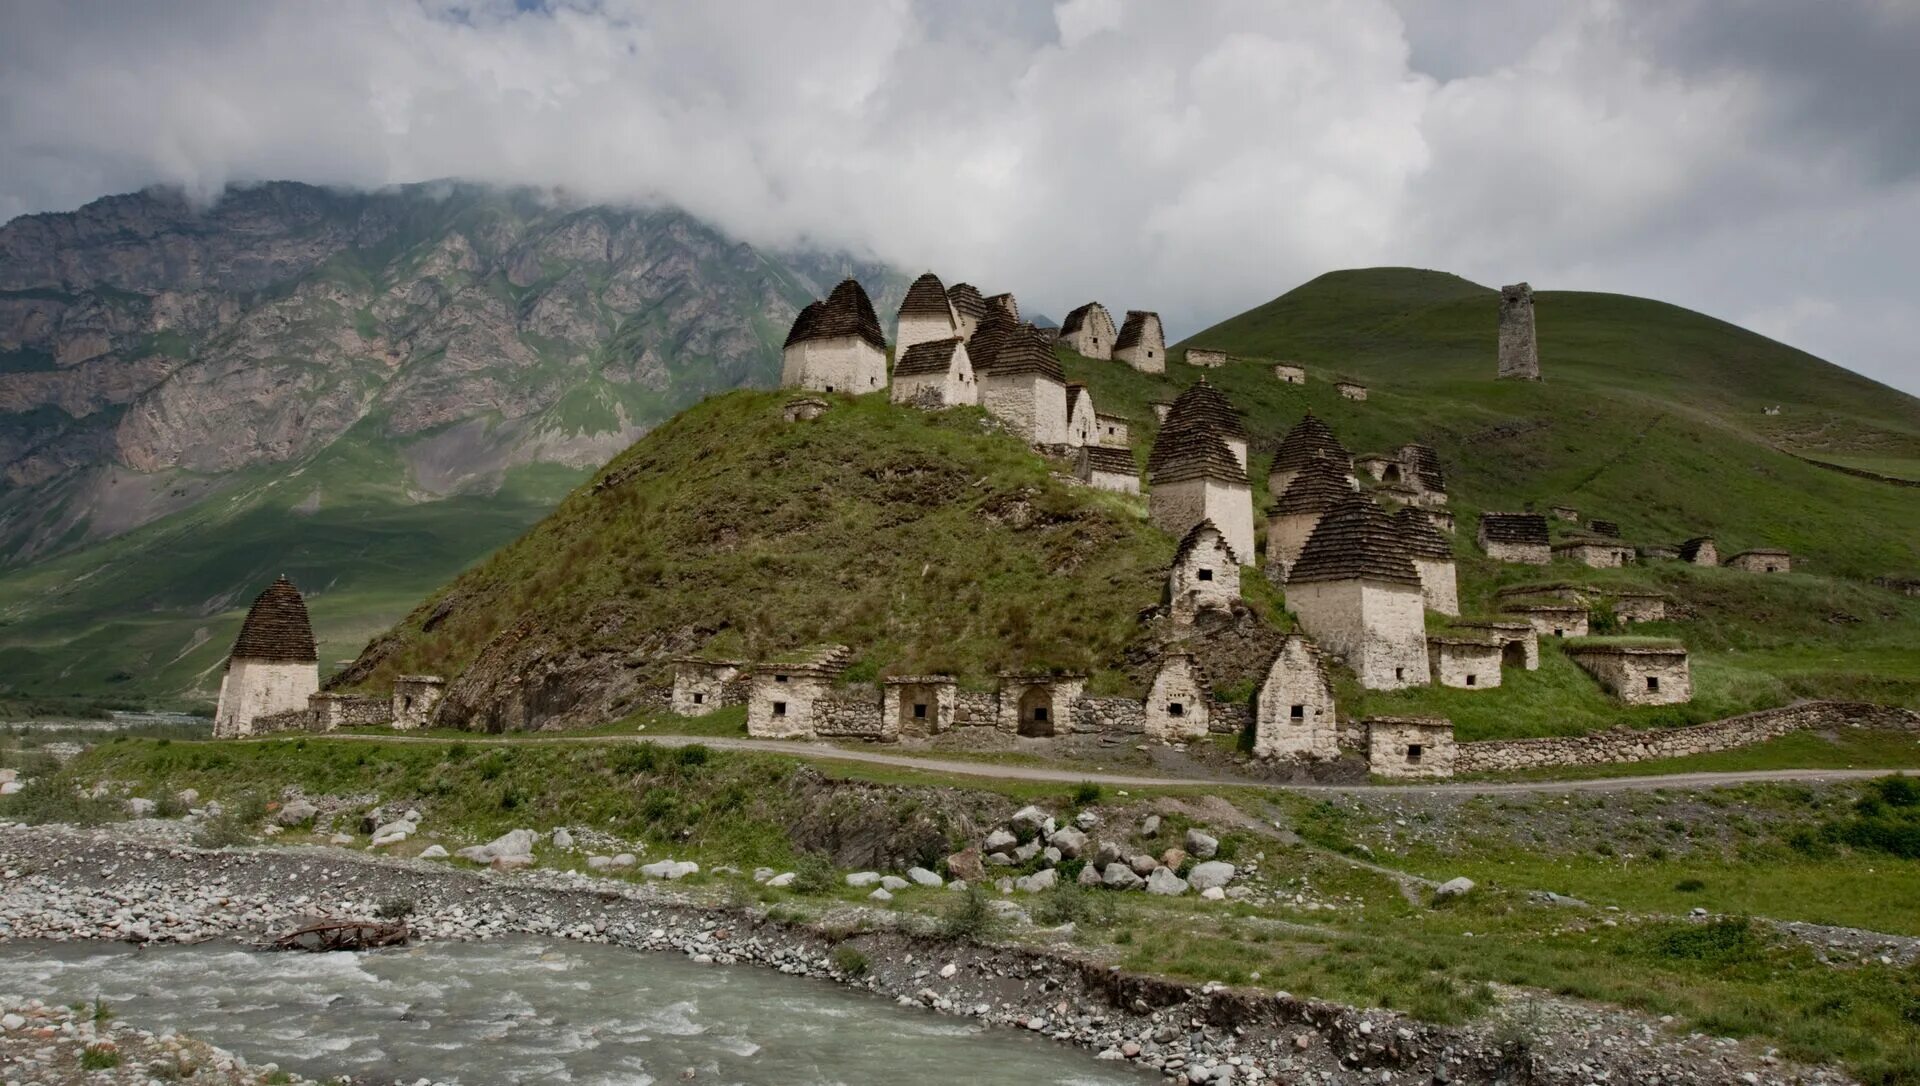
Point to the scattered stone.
(1090, 876)
(782, 880)
(1165, 882)
(923, 877)
(670, 869)
(1000, 841)
(1174, 858)
(1086, 820)
(1453, 888)
(860, 880)
(1202, 845)
(966, 864)
(1143, 865)
(511, 846)
(141, 808)
(1151, 826)
(1211, 875)
(1118, 876)
(762, 874)
(1071, 843)
(893, 883)
(880, 894)
(1214, 893)
(1026, 852)
(296, 812)
(1028, 820)
(562, 839)
(1038, 881)
(433, 852)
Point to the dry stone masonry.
(1410, 748)
(414, 699)
(926, 316)
(1350, 390)
(1309, 440)
(1515, 537)
(1206, 357)
(1465, 662)
(1762, 561)
(1108, 468)
(1177, 704)
(700, 686)
(836, 345)
(274, 666)
(1310, 492)
(1432, 557)
(1205, 574)
(935, 374)
(1356, 592)
(1519, 353)
(1088, 331)
(1294, 714)
(1651, 673)
(1141, 342)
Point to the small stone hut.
(804, 409)
(1083, 423)
(1515, 537)
(1519, 642)
(926, 316)
(919, 706)
(1292, 375)
(1205, 573)
(1088, 331)
(1316, 488)
(274, 666)
(1700, 551)
(1645, 673)
(1519, 353)
(1177, 706)
(1762, 561)
(1293, 711)
(1350, 390)
(1469, 663)
(1356, 592)
(328, 712)
(1639, 606)
(836, 345)
(1565, 512)
(415, 697)
(1038, 706)
(934, 374)
(1115, 431)
(1026, 389)
(1553, 619)
(1108, 469)
(1309, 440)
(700, 685)
(1432, 556)
(969, 308)
(1195, 478)
(1596, 552)
(1410, 748)
(1141, 342)
(784, 699)
(1201, 404)
(1206, 357)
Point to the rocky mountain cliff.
(161, 360)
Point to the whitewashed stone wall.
(1639, 677)
(1176, 708)
(1640, 609)
(1149, 355)
(1116, 481)
(919, 710)
(1762, 563)
(331, 712)
(1596, 555)
(842, 364)
(1410, 750)
(1208, 577)
(1526, 554)
(1286, 538)
(976, 709)
(779, 709)
(1115, 432)
(1294, 711)
(415, 697)
(1469, 667)
(1292, 375)
(257, 688)
(1206, 358)
(1109, 716)
(1019, 697)
(1032, 406)
(854, 714)
(915, 328)
(1439, 583)
(1640, 745)
(1353, 392)
(1571, 623)
(1176, 507)
(1379, 629)
(700, 688)
(954, 388)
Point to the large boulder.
(296, 812)
(1453, 888)
(1201, 846)
(670, 869)
(893, 884)
(141, 808)
(862, 879)
(1108, 853)
(1038, 881)
(1163, 881)
(1142, 864)
(1029, 821)
(967, 864)
(1150, 826)
(999, 841)
(1210, 874)
(923, 877)
(1090, 876)
(433, 852)
(1119, 877)
(513, 847)
(1071, 842)
(395, 832)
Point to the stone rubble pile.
(1032, 837)
(47, 1044)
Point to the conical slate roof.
(276, 628)
(1310, 440)
(1527, 528)
(967, 300)
(1355, 540)
(1318, 487)
(931, 357)
(1193, 452)
(1135, 328)
(993, 333)
(926, 298)
(846, 312)
(1024, 351)
(1422, 539)
(1204, 403)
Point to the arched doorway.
(1036, 712)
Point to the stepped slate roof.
(926, 298)
(1310, 440)
(1078, 317)
(1319, 487)
(846, 312)
(1184, 453)
(276, 627)
(1135, 328)
(1426, 465)
(1605, 527)
(988, 337)
(1355, 540)
(1203, 403)
(1421, 538)
(931, 357)
(1024, 352)
(1195, 535)
(1111, 459)
(1074, 394)
(1691, 548)
(967, 300)
(1523, 528)
(1006, 302)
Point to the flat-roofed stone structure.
(1515, 537)
(1594, 552)
(1356, 592)
(784, 698)
(1293, 711)
(1177, 704)
(919, 706)
(1519, 351)
(1469, 663)
(1026, 389)
(274, 666)
(1206, 358)
(1083, 423)
(1519, 641)
(1762, 561)
(1141, 342)
(1410, 748)
(1637, 672)
(702, 685)
(804, 409)
(1565, 512)
(1038, 706)
(1432, 556)
(969, 308)
(1553, 619)
(414, 699)
(1292, 375)
(1309, 440)
(1205, 573)
(1108, 469)
(1639, 606)
(836, 345)
(935, 374)
(1292, 517)
(328, 712)
(1089, 331)
(926, 316)
(1350, 390)
(1699, 551)
(1115, 431)
(1195, 478)
(1201, 404)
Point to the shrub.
(693, 754)
(394, 908)
(968, 917)
(1689, 886)
(1731, 941)
(1086, 794)
(235, 823)
(848, 959)
(1071, 903)
(812, 874)
(51, 799)
(99, 1057)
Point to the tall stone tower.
(274, 665)
(1519, 353)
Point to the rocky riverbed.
(113, 883)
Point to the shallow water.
(530, 1010)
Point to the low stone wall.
(976, 709)
(1111, 716)
(1229, 718)
(1640, 745)
(292, 720)
(853, 714)
(333, 711)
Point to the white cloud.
(1195, 158)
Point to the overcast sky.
(1756, 159)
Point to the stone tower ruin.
(1519, 353)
